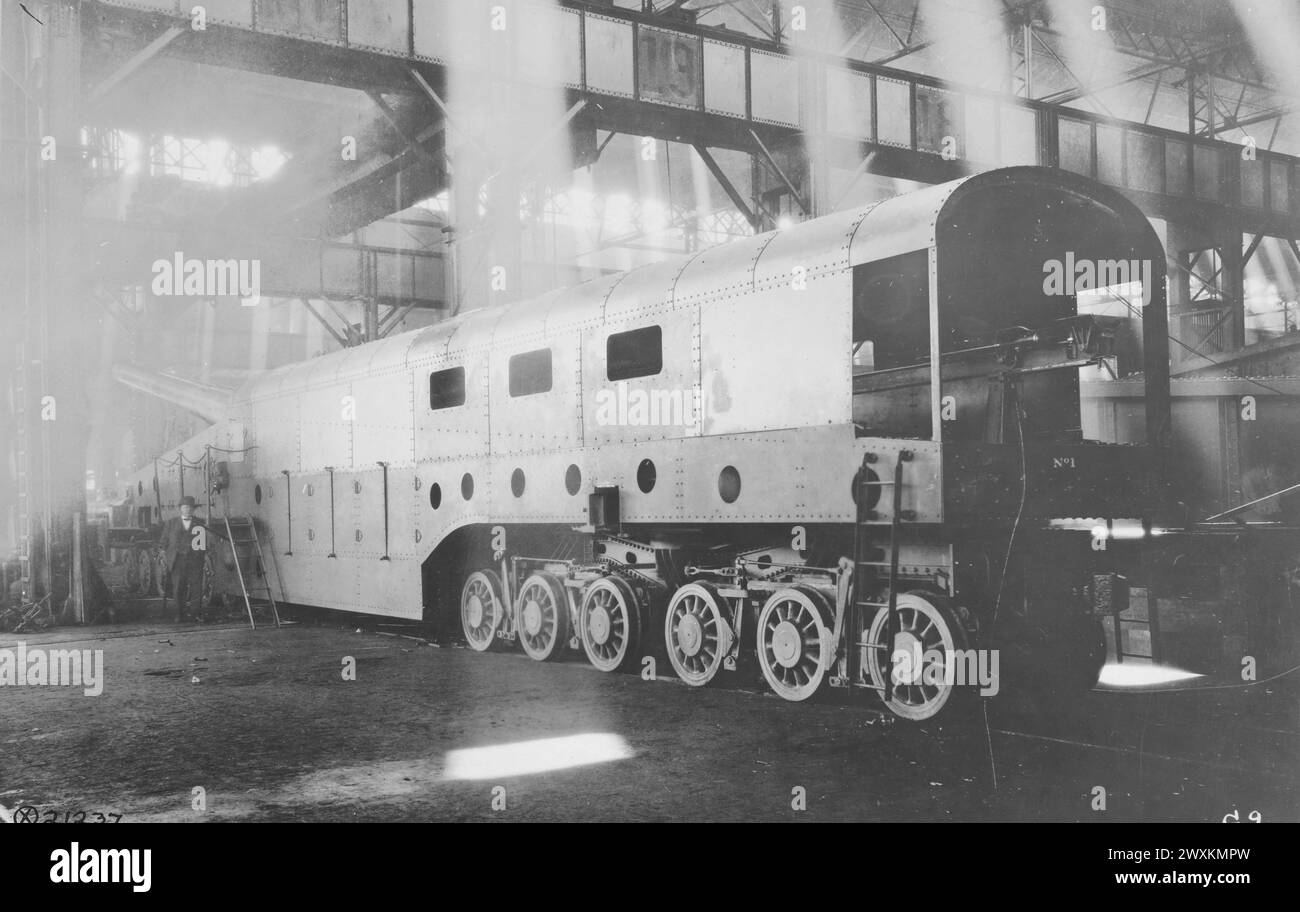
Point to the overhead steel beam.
(323, 322)
(519, 163)
(767, 155)
(413, 142)
(441, 105)
(139, 59)
(728, 187)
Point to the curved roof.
(821, 246)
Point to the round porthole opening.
(573, 480)
(645, 476)
(517, 481)
(467, 486)
(872, 485)
(257, 493)
(435, 495)
(729, 484)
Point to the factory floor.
(265, 724)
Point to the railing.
(625, 54)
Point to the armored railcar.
(793, 450)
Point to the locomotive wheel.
(133, 570)
(610, 623)
(794, 644)
(696, 633)
(482, 609)
(542, 612)
(926, 623)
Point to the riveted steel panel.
(384, 408)
(311, 514)
(774, 87)
(457, 432)
(722, 271)
(582, 305)
(663, 405)
(775, 468)
(361, 534)
(545, 499)
(325, 437)
(724, 78)
(644, 290)
(540, 421)
(1146, 161)
(455, 510)
(276, 432)
(552, 50)
(900, 224)
(451, 32)
(315, 20)
(808, 251)
(379, 25)
(740, 351)
(390, 588)
(609, 55)
(226, 12)
(893, 112)
(669, 67)
(848, 102)
(940, 116)
(169, 6)
(430, 342)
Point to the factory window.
(637, 353)
(530, 373)
(447, 388)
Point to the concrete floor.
(271, 731)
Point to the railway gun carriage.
(793, 451)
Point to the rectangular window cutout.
(637, 353)
(447, 388)
(530, 373)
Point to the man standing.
(185, 544)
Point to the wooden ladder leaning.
(241, 532)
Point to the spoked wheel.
(482, 609)
(133, 563)
(542, 610)
(610, 623)
(794, 643)
(927, 634)
(696, 633)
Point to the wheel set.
(793, 638)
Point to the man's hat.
(188, 501)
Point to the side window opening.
(447, 388)
(636, 353)
(530, 373)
